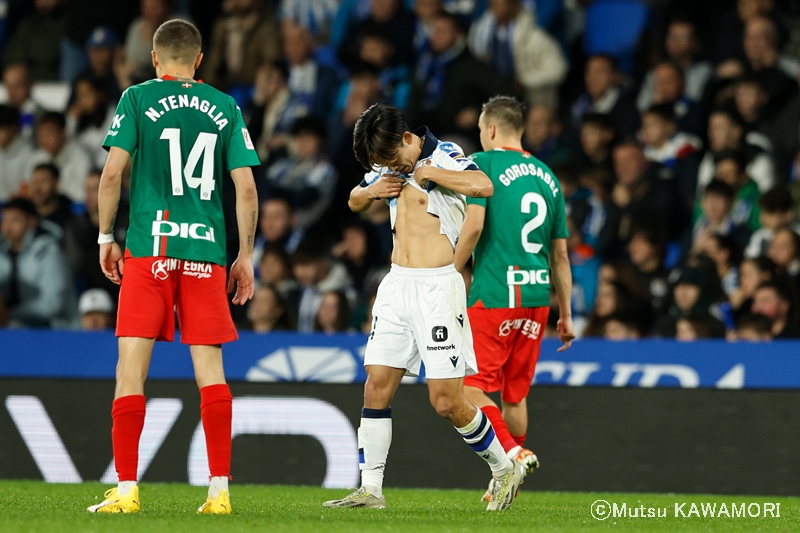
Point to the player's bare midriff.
(418, 241)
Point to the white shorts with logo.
(420, 315)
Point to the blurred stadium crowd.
(672, 126)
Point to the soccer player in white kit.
(420, 312)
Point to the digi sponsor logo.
(162, 267)
(439, 334)
(184, 230)
(527, 277)
(530, 328)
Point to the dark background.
(588, 439)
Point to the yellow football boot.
(114, 503)
(219, 505)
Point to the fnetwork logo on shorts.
(440, 348)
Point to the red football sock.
(216, 405)
(500, 429)
(520, 439)
(127, 414)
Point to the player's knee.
(445, 406)
(377, 395)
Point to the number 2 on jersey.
(204, 145)
(535, 222)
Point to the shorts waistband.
(438, 272)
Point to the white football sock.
(374, 439)
(124, 487)
(479, 434)
(217, 485)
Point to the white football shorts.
(420, 315)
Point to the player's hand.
(423, 174)
(242, 275)
(386, 186)
(111, 261)
(566, 332)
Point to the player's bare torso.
(418, 240)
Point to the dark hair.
(359, 67)
(55, 118)
(280, 253)
(286, 322)
(281, 66)
(780, 286)
(793, 235)
(702, 324)
(626, 317)
(602, 120)
(665, 112)
(309, 124)
(98, 84)
(49, 167)
(22, 204)
(777, 200)
(757, 322)
(720, 188)
(177, 40)
(606, 57)
(734, 155)
(675, 68)
(378, 133)
(506, 111)
(9, 116)
(457, 21)
(762, 263)
(726, 242)
(731, 113)
(309, 251)
(750, 79)
(654, 234)
(342, 313)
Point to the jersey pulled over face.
(448, 206)
(525, 213)
(182, 137)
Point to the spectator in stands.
(80, 238)
(596, 136)
(276, 227)
(275, 268)
(507, 38)
(784, 250)
(15, 154)
(316, 16)
(727, 255)
(357, 251)
(138, 65)
(388, 17)
(730, 168)
(246, 37)
(89, 117)
(676, 153)
(450, 85)
(668, 89)
(43, 191)
(754, 328)
(692, 295)
(333, 315)
(35, 284)
(752, 272)
(773, 299)
(726, 132)
(611, 297)
(750, 98)
(271, 116)
(356, 95)
(312, 86)
(37, 40)
(306, 178)
(775, 211)
(96, 310)
(101, 50)
(621, 326)
(19, 87)
(424, 13)
(730, 29)
(543, 137)
(647, 250)
(317, 274)
(584, 264)
(377, 50)
(67, 154)
(682, 49)
(639, 197)
(716, 218)
(693, 327)
(605, 95)
(268, 311)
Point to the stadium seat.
(613, 27)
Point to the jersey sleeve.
(559, 228)
(124, 130)
(450, 156)
(481, 162)
(241, 152)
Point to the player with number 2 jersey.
(180, 137)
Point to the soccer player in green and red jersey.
(180, 136)
(519, 239)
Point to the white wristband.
(105, 238)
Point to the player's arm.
(562, 279)
(108, 202)
(247, 220)
(470, 233)
(362, 195)
(472, 183)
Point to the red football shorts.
(507, 344)
(154, 288)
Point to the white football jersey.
(449, 206)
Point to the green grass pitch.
(33, 506)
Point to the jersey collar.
(429, 143)
(515, 150)
(167, 77)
